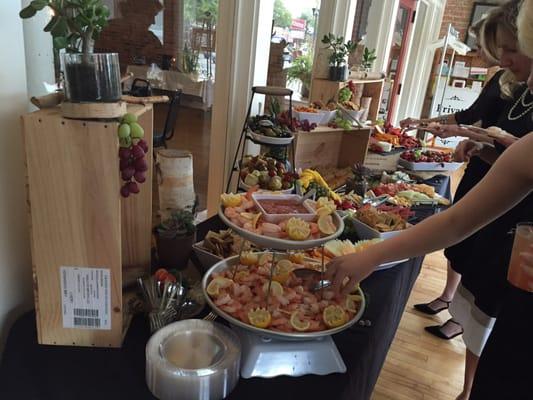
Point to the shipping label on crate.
(86, 297)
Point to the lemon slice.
(259, 317)
(255, 219)
(230, 199)
(249, 258)
(239, 276)
(326, 225)
(352, 303)
(265, 259)
(213, 289)
(325, 202)
(324, 210)
(297, 258)
(298, 324)
(297, 229)
(282, 271)
(334, 316)
(275, 288)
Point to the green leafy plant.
(282, 16)
(190, 60)
(340, 49)
(180, 223)
(75, 24)
(301, 69)
(369, 56)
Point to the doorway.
(398, 56)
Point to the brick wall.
(458, 13)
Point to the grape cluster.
(321, 191)
(132, 152)
(306, 126)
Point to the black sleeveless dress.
(484, 267)
(487, 109)
(505, 369)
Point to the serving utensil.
(312, 279)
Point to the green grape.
(125, 142)
(129, 118)
(124, 131)
(137, 131)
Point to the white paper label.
(86, 297)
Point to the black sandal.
(426, 309)
(436, 330)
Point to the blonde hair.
(503, 17)
(525, 28)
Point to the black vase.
(339, 74)
(92, 78)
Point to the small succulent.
(180, 223)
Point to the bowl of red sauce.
(278, 207)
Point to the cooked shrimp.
(225, 299)
(269, 229)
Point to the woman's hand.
(410, 123)
(467, 149)
(444, 131)
(356, 267)
(495, 133)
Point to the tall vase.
(92, 78)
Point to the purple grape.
(140, 176)
(137, 151)
(133, 187)
(124, 153)
(143, 145)
(124, 164)
(124, 191)
(140, 165)
(128, 173)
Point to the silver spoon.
(312, 279)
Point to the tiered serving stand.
(267, 353)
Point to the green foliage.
(198, 10)
(301, 69)
(340, 49)
(74, 24)
(369, 56)
(180, 223)
(190, 60)
(282, 16)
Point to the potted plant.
(75, 24)
(301, 69)
(338, 70)
(369, 56)
(174, 238)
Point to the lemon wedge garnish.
(259, 317)
(298, 324)
(213, 289)
(334, 316)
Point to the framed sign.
(479, 10)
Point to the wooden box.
(326, 146)
(324, 90)
(86, 240)
(382, 162)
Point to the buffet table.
(32, 371)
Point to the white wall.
(38, 52)
(15, 261)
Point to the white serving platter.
(429, 166)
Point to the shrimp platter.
(254, 292)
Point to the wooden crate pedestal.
(87, 241)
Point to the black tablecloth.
(33, 371)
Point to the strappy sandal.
(436, 330)
(426, 309)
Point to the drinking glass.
(523, 240)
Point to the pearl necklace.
(521, 100)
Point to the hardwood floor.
(419, 365)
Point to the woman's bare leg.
(471, 361)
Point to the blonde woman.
(505, 367)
